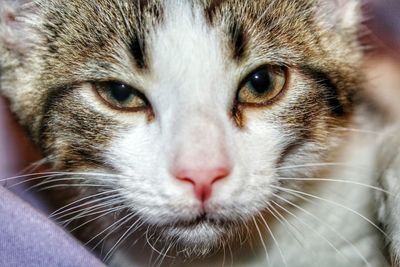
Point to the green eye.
(262, 86)
(121, 96)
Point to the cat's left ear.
(339, 14)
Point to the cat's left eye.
(121, 96)
(262, 86)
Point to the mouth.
(202, 231)
(202, 219)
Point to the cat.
(388, 168)
(199, 132)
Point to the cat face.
(191, 110)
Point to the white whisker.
(326, 225)
(336, 181)
(106, 212)
(70, 186)
(287, 190)
(153, 247)
(114, 225)
(283, 221)
(316, 165)
(273, 238)
(90, 211)
(262, 241)
(126, 234)
(70, 206)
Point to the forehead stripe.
(137, 47)
(238, 39)
(212, 9)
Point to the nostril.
(220, 174)
(202, 180)
(202, 176)
(185, 179)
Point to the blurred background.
(380, 34)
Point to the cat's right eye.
(121, 96)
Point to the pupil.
(261, 82)
(120, 92)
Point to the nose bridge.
(200, 141)
(201, 157)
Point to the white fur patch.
(192, 92)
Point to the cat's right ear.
(17, 38)
(16, 33)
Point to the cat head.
(190, 110)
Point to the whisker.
(114, 225)
(64, 208)
(247, 234)
(91, 211)
(273, 238)
(358, 130)
(45, 177)
(287, 190)
(120, 222)
(305, 224)
(316, 165)
(160, 258)
(230, 253)
(80, 213)
(151, 258)
(48, 178)
(127, 233)
(106, 184)
(41, 174)
(283, 221)
(34, 166)
(336, 181)
(262, 240)
(70, 185)
(356, 250)
(223, 255)
(112, 210)
(104, 201)
(153, 246)
(153, 252)
(64, 173)
(346, 129)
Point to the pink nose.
(202, 180)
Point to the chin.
(199, 239)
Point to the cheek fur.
(75, 134)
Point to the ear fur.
(16, 36)
(339, 14)
(9, 34)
